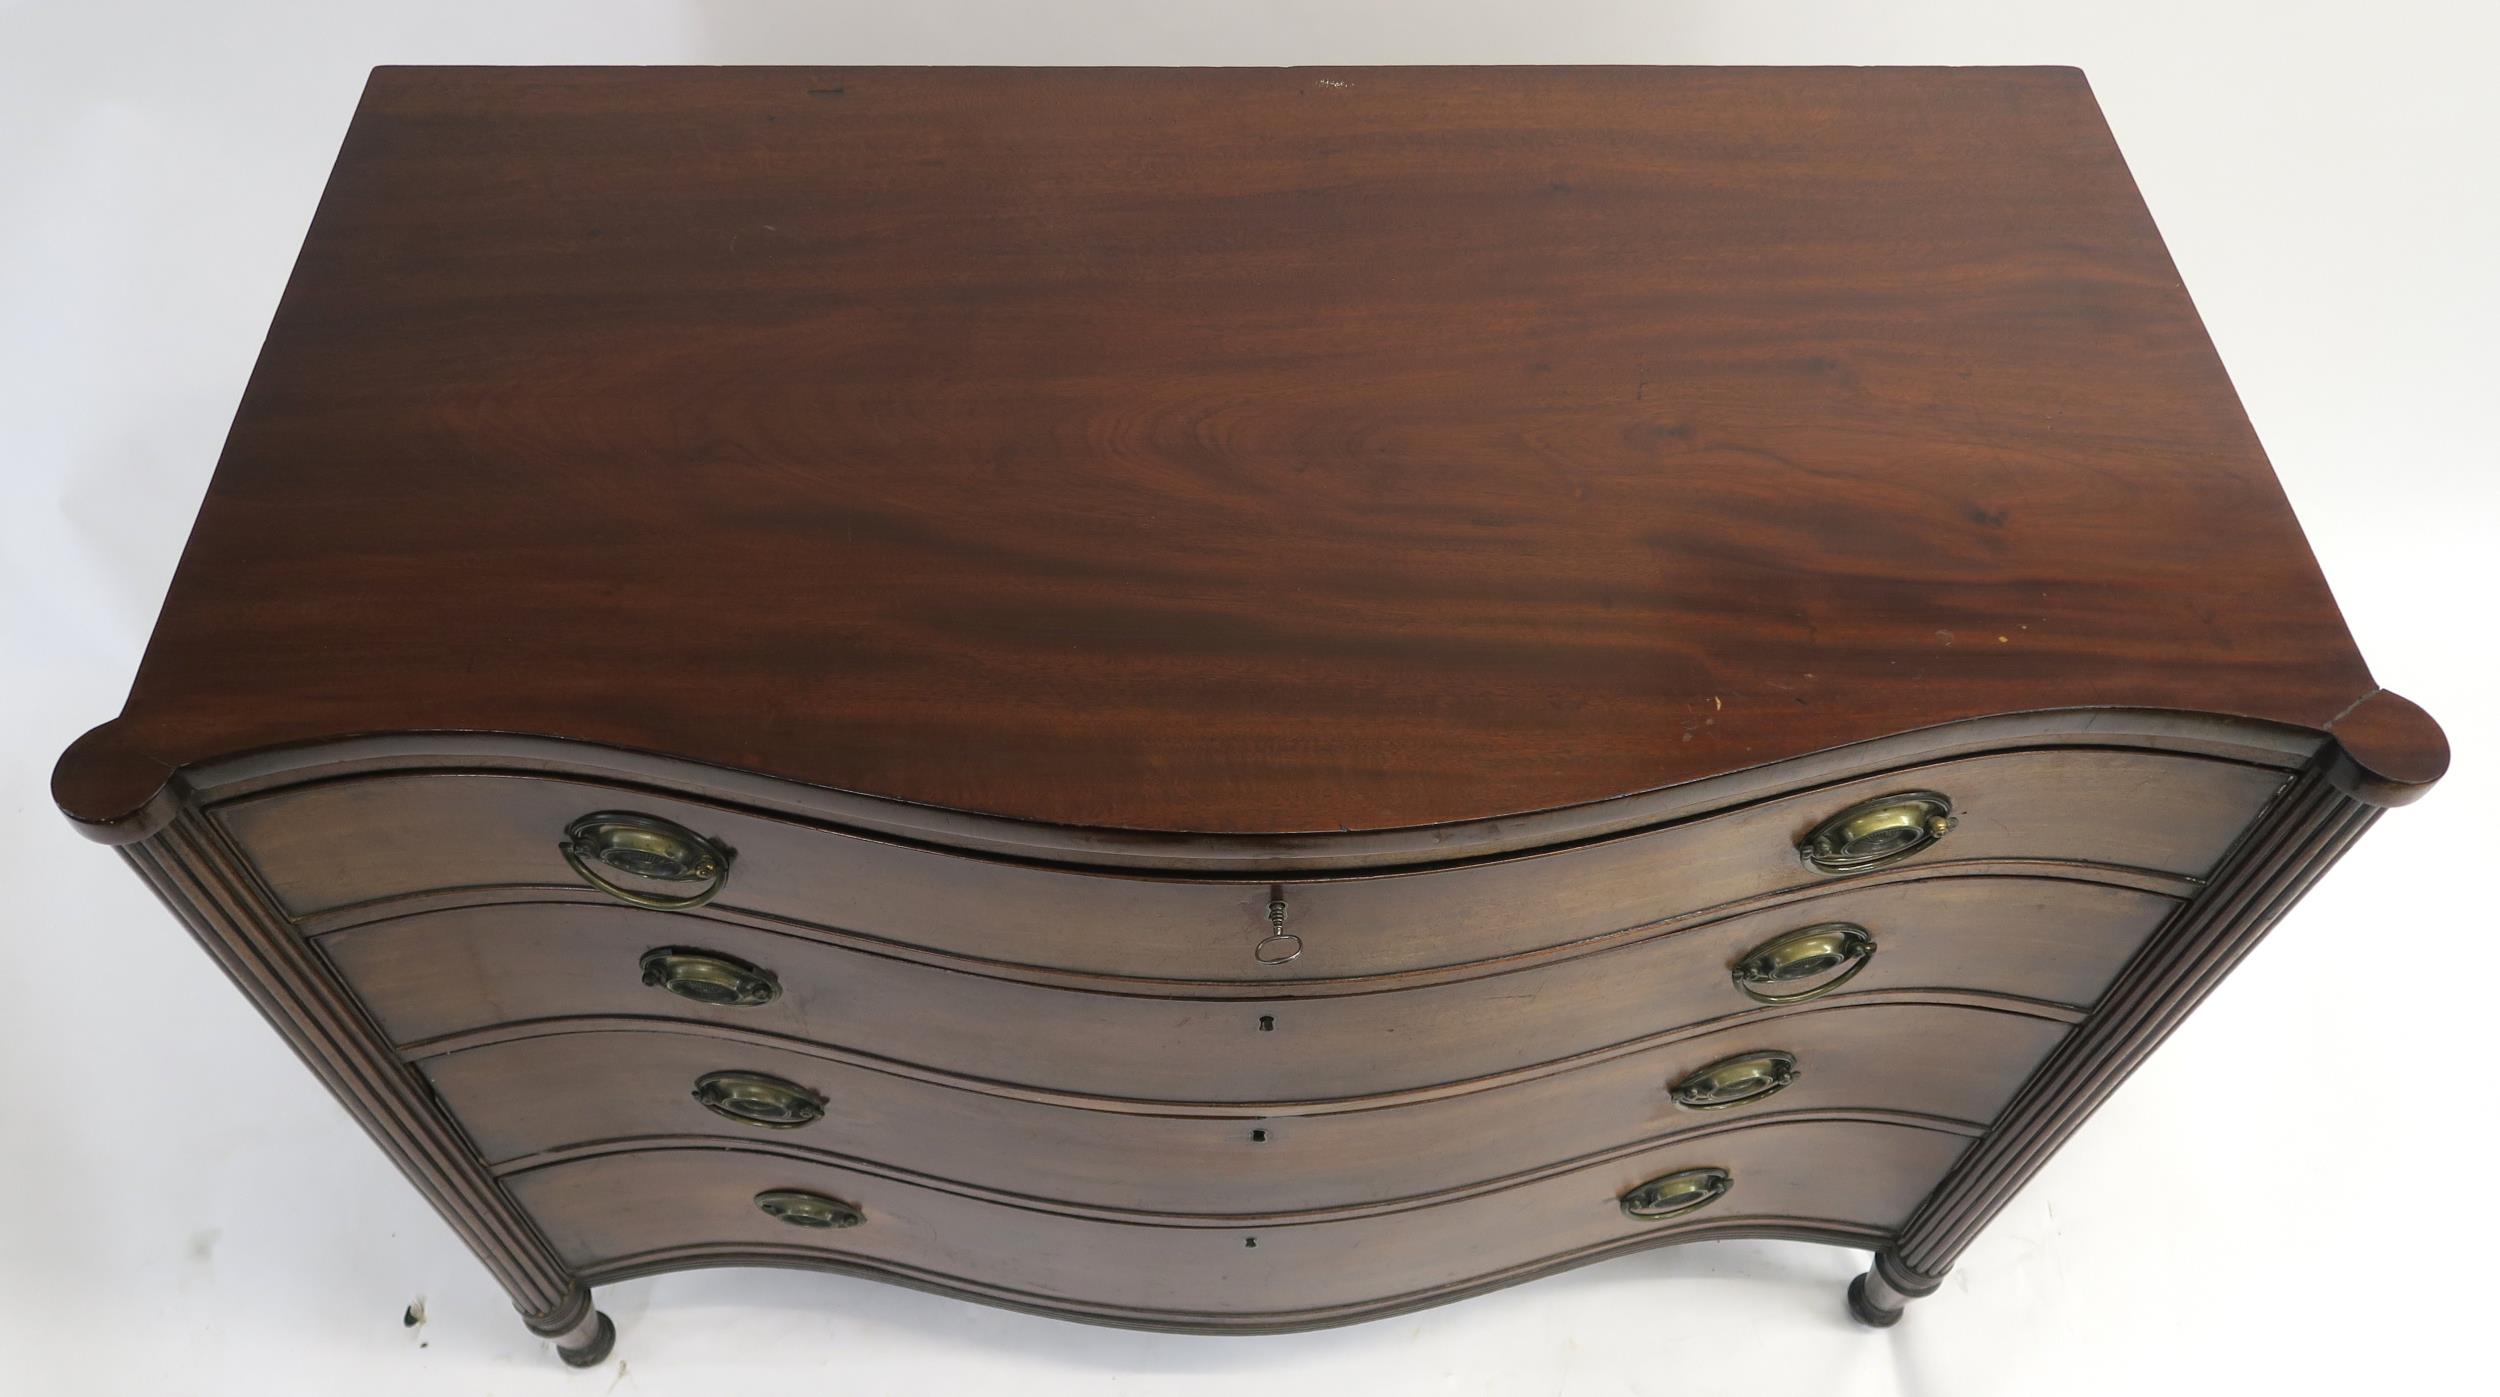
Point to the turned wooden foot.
(1878, 1297)
(583, 1336)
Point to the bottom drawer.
(651, 1210)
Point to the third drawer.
(535, 1100)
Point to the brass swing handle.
(708, 977)
(1878, 831)
(1676, 1194)
(752, 1098)
(800, 1208)
(646, 846)
(1736, 1080)
(1803, 955)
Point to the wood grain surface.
(527, 1099)
(633, 1210)
(367, 848)
(1037, 519)
(438, 979)
(1228, 451)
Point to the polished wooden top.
(1241, 450)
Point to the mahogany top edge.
(1232, 451)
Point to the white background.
(2293, 1197)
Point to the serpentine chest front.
(1233, 699)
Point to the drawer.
(522, 1099)
(436, 975)
(341, 845)
(623, 1213)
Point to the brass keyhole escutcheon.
(753, 1098)
(1831, 953)
(1878, 831)
(647, 847)
(800, 1208)
(1673, 1195)
(1736, 1080)
(708, 977)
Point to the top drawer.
(325, 849)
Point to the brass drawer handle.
(708, 977)
(752, 1098)
(1803, 955)
(800, 1208)
(1736, 1080)
(646, 846)
(1676, 1194)
(1878, 831)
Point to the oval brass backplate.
(708, 977)
(1878, 831)
(800, 1208)
(1736, 1080)
(645, 846)
(752, 1098)
(1673, 1195)
(1837, 950)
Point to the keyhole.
(1249, 1241)
(1267, 1023)
(1258, 1137)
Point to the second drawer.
(534, 1099)
(444, 975)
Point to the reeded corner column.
(2384, 751)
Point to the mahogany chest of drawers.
(1233, 700)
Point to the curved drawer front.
(528, 1097)
(326, 847)
(438, 974)
(651, 1210)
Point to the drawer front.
(648, 1210)
(524, 1098)
(439, 974)
(327, 847)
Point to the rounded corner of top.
(2389, 749)
(109, 790)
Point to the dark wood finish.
(443, 979)
(1226, 450)
(523, 1099)
(1041, 517)
(630, 1211)
(341, 844)
(206, 887)
(254, 773)
(2300, 839)
(1878, 1297)
(2387, 750)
